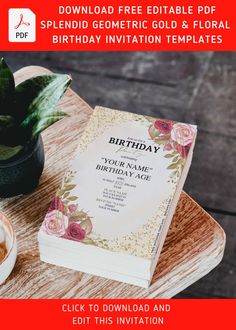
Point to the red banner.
(118, 25)
(117, 314)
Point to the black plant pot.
(20, 175)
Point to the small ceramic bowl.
(7, 233)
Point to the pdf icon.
(21, 25)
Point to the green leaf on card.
(72, 198)
(69, 187)
(172, 166)
(176, 158)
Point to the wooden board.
(194, 245)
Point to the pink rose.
(183, 150)
(74, 232)
(57, 204)
(55, 223)
(183, 134)
(72, 208)
(164, 126)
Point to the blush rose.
(55, 223)
(183, 134)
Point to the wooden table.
(193, 247)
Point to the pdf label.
(21, 25)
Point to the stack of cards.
(112, 212)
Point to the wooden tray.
(194, 245)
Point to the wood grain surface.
(194, 245)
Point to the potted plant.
(25, 111)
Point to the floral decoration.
(183, 134)
(57, 204)
(65, 219)
(176, 139)
(75, 232)
(164, 126)
(55, 223)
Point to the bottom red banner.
(117, 314)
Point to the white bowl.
(8, 263)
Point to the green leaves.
(169, 155)
(154, 133)
(47, 121)
(70, 186)
(8, 152)
(161, 140)
(72, 198)
(41, 114)
(29, 108)
(87, 225)
(173, 165)
(27, 91)
(7, 86)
